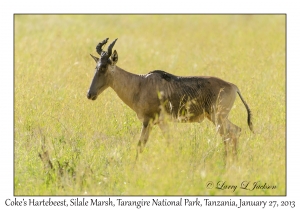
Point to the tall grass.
(92, 145)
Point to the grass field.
(92, 144)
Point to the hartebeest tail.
(185, 99)
(248, 111)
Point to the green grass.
(92, 145)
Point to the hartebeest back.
(185, 99)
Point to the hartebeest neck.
(125, 84)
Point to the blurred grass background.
(92, 144)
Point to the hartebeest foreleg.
(147, 126)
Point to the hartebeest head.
(104, 65)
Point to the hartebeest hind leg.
(228, 131)
(230, 134)
(165, 131)
(144, 137)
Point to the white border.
(6, 72)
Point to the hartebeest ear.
(114, 57)
(95, 58)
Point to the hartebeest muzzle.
(90, 96)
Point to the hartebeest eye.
(101, 69)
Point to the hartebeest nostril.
(88, 95)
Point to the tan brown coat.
(157, 94)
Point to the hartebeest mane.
(185, 99)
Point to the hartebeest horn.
(109, 49)
(100, 45)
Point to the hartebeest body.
(185, 99)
